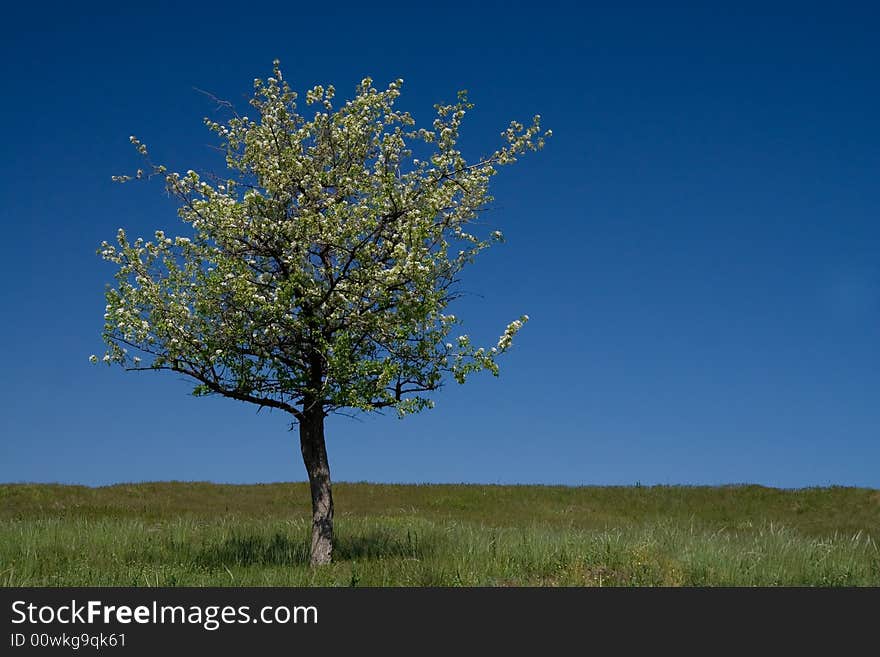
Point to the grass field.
(201, 534)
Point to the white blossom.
(323, 259)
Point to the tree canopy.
(318, 272)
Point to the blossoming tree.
(317, 276)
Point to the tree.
(318, 273)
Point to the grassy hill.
(200, 534)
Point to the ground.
(201, 534)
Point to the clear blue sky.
(698, 247)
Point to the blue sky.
(698, 247)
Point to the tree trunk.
(314, 452)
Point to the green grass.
(199, 534)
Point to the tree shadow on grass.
(382, 545)
(281, 550)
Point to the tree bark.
(314, 452)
